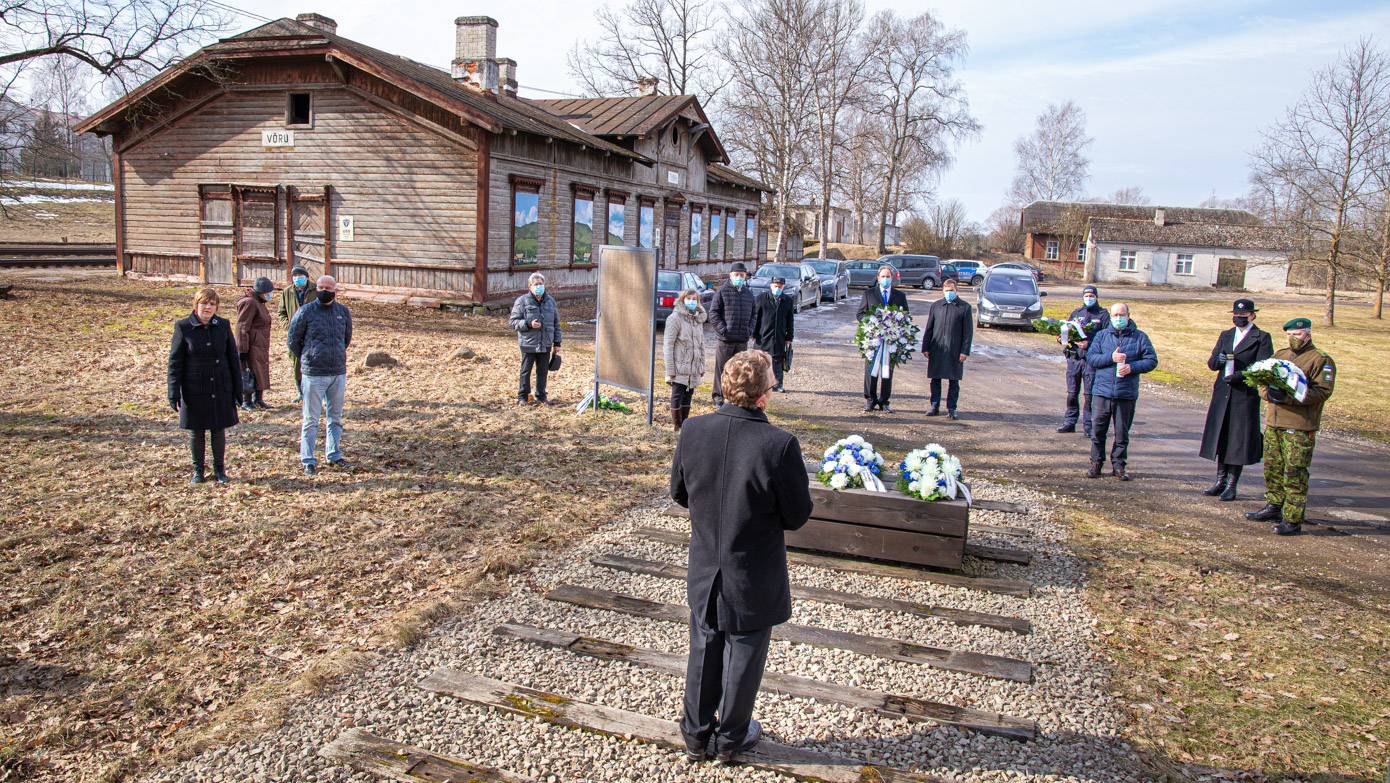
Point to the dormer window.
(299, 109)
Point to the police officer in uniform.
(1291, 429)
(1232, 436)
(1095, 318)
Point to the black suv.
(921, 271)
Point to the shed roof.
(1145, 232)
(1040, 217)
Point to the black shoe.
(1219, 486)
(951, 415)
(1094, 470)
(1087, 433)
(869, 406)
(246, 406)
(220, 474)
(1269, 513)
(260, 403)
(1288, 528)
(340, 463)
(695, 755)
(1067, 428)
(298, 399)
(310, 470)
(885, 407)
(1119, 472)
(1229, 493)
(198, 477)
(935, 411)
(755, 733)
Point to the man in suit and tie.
(877, 389)
(744, 482)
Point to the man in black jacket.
(319, 335)
(773, 325)
(731, 315)
(1080, 374)
(878, 390)
(744, 482)
(1232, 436)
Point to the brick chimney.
(1160, 217)
(646, 86)
(475, 50)
(507, 75)
(318, 22)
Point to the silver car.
(834, 278)
(1009, 297)
(802, 283)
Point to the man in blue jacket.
(1120, 353)
(319, 335)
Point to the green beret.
(1298, 323)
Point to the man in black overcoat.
(946, 341)
(773, 325)
(878, 390)
(1233, 436)
(730, 316)
(744, 482)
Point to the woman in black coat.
(205, 381)
(1233, 436)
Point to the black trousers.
(876, 390)
(681, 395)
(722, 677)
(777, 369)
(723, 352)
(1104, 410)
(952, 393)
(1080, 375)
(541, 361)
(198, 446)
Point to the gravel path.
(1078, 721)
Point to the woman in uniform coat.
(1232, 436)
(205, 381)
(253, 336)
(946, 340)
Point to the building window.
(716, 235)
(526, 220)
(750, 237)
(257, 230)
(646, 225)
(582, 226)
(697, 229)
(298, 109)
(1081, 253)
(1184, 264)
(729, 236)
(1129, 260)
(617, 221)
(1052, 250)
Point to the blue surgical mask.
(1089, 301)
(885, 282)
(1119, 321)
(538, 289)
(300, 280)
(736, 282)
(776, 290)
(692, 305)
(950, 296)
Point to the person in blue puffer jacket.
(1120, 353)
(319, 334)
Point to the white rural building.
(1189, 254)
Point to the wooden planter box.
(886, 526)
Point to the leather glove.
(1236, 379)
(245, 357)
(174, 403)
(1276, 395)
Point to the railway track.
(42, 255)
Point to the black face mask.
(1241, 321)
(325, 297)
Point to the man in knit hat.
(1291, 429)
(300, 290)
(1081, 374)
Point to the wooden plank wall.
(162, 264)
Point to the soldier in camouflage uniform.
(1291, 429)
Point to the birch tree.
(1050, 163)
(670, 40)
(835, 66)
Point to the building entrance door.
(310, 242)
(1230, 273)
(215, 235)
(671, 236)
(1158, 269)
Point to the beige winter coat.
(684, 346)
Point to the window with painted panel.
(750, 237)
(729, 250)
(716, 236)
(582, 228)
(697, 229)
(1129, 260)
(1183, 265)
(617, 218)
(1053, 247)
(526, 204)
(646, 226)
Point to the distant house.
(25, 153)
(1179, 246)
(796, 238)
(845, 225)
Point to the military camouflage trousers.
(1287, 454)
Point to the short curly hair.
(747, 376)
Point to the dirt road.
(1011, 402)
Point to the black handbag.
(554, 362)
(787, 360)
(248, 379)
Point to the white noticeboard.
(673, 177)
(277, 138)
(345, 228)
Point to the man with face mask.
(1291, 429)
(319, 335)
(300, 290)
(773, 326)
(1120, 353)
(1232, 435)
(877, 390)
(946, 341)
(744, 482)
(731, 316)
(1081, 375)
(536, 320)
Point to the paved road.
(1012, 399)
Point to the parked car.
(968, 271)
(1034, 271)
(864, 273)
(1009, 297)
(950, 272)
(834, 278)
(921, 271)
(803, 284)
(670, 283)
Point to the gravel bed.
(1078, 721)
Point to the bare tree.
(835, 65)
(670, 40)
(1369, 241)
(1005, 230)
(1051, 162)
(861, 175)
(1320, 163)
(950, 222)
(1130, 195)
(60, 86)
(921, 104)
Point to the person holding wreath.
(878, 377)
(1232, 436)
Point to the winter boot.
(245, 402)
(198, 477)
(1270, 513)
(220, 474)
(676, 420)
(1094, 472)
(1220, 485)
(259, 401)
(1232, 478)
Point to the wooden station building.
(289, 144)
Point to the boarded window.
(582, 227)
(256, 230)
(526, 220)
(299, 109)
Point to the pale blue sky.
(1175, 90)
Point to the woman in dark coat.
(946, 341)
(205, 381)
(253, 338)
(1233, 437)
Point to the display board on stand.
(625, 339)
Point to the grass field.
(31, 212)
(1184, 332)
